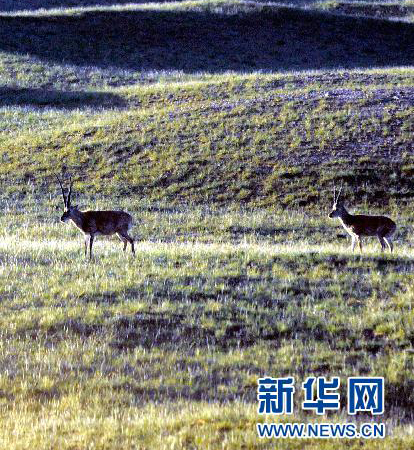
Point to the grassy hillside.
(77, 97)
(384, 9)
(278, 141)
(395, 10)
(35, 5)
(222, 128)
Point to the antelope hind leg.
(129, 239)
(389, 243)
(125, 241)
(381, 239)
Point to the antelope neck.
(345, 217)
(76, 217)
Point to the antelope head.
(69, 210)
(338, 209)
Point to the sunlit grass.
(156, 6)
(173, 426)
(185, 143)
(163, 350)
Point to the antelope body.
(93, 223)
(364, 225)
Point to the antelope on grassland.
(92, 223)
(362, 225)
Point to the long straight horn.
(339, 193)
(70, 192)
(63, 192)
(334, 195)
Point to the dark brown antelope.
(361, 225)
(92, 223)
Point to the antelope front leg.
(90, 246)
(360, 244)
(86, 245)
(353, 243)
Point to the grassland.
(96, 352)
(273, 141)
(156, 126)
(224, 143)
(401, 10)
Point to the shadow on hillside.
(191, 41)
(59, 99)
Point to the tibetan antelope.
(92, 223)
(361, 225)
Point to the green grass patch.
(213, 300)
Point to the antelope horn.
(70, 191)
(339, 193)
(63, 191)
